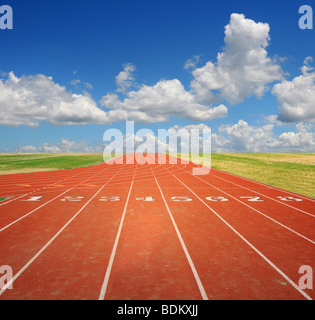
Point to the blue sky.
(58, 49)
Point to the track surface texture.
(152, 231)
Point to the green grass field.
(290, 171)
(20, 163)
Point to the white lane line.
(24, 195)
(304, 294)
(18, 274)
(112, 256)
(260, 183)
(188, 257)
(265, 185)
(58, 181)
(281, 202)
(29, 213)
(247, 205)
(280, 190)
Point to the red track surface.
(195, 237)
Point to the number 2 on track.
(252, 198)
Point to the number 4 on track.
(182, 199)
(145, 199)
(108, 198)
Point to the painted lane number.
(151, 199)
(216, 198)
(72, 198)
(181, 199)
(287, 198)
(251, 198)
(33, 199)
(147, 199)
(106, 198)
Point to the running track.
(152, 232)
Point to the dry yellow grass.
(290, 171)
(26, 170)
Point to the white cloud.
(242, 69)
(64, 146)
(242, 137)
(273, 119)
(31, 99)
(147, 142)
(28, 100)
(296, 98)
(192, 62)
(172, 140)
(199, 126)
(157, 103)
(239, 137)
(125, 78)
(78, 84)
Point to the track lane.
(74, 263)
(285, 250)
(263, 189)
(26, 242)
(15, 212)
(149, 262)
(24, 189)
(291, 219)
(57, 177)
(228, 268)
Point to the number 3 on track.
(286, 198)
